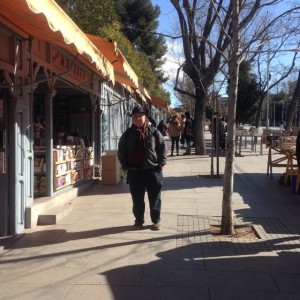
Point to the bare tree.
(206, 31)
(274, 62)
(211, 33)
(187, 102)
(293, 105)
(234, 62)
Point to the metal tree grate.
(194, 231)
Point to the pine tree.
(248, 94)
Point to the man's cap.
(138, 109)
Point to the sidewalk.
(94, 254)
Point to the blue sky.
(167, 19)
(167, 15)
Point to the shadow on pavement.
(195, 272)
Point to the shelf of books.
(88, 162)
(70, 165)
(40, 184)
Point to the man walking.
(142, 153)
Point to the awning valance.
(123, 71)
(145, 93)
(47, 21)
(173, 112)
(159, 102)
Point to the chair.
(253, 133)
(290, 170)
(263, 139)
(295, 130)
(265, 133)
(286, 132)
(297, 183)
(277, 132)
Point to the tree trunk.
(260, 104)
(227, 213)
(293, 106)
(258, 112)
(199, 120)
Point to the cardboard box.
(110, 163)
(111, 152)
(111, 177)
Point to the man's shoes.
(137, 226)
(185, 153)
(156, 226)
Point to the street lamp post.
(268, 82)
(274, 114)
(267, 96)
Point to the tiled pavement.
(273, 235)
(94, 254)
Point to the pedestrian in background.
(223, 133)
(162, 127)
(188, 133)
(282, 124)
(182, 138)
(142, 153)
(174, 132)
(298, 150)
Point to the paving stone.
(93, 253)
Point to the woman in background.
(174, 131)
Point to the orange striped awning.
(122, 70)
(47, 21)
(159, 102)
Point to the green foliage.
(280, 97)
(248, 94)
(100, 18)
(208, 112)
(139, 20)
(279, 101)
(139, 61)
(89, 14)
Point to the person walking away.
(182, 138)
(162, 128)
(151, 121)
(222, 134)
(282, 123)
(188, 133)
(214, 132)
(174, 131)
(298, 150)
(142, 153)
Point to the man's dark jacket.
(155, 148)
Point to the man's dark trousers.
(140, 181)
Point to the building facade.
(63, 105)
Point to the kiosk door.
(3, 168)
(22, 168)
